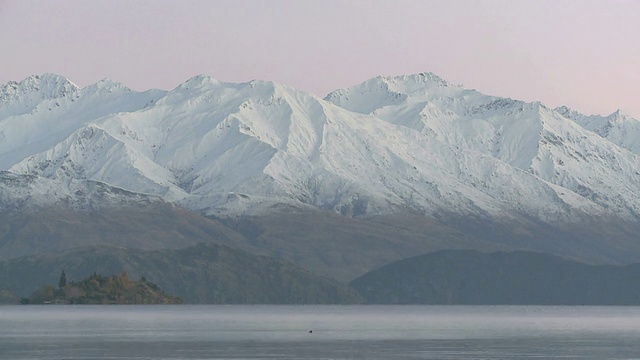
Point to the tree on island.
(98, 289)
(63, 280)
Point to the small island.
(98, 289)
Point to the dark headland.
(499, 278)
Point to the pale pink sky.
(582, 53)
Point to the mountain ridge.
(501, 171)
(147, 163)
(528, 136)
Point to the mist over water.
(338, 332)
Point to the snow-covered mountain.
(571, 156)
(41, 111)
(619, 128)
(19, 192)
(388, 145)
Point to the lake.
(337, 332)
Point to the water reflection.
(339, 332)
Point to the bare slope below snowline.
(205, 273)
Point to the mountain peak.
(382, 91)
(568, 112)
(420, 78)
(618, 115)
(270, 88)
(48, 83)
(199, 80)
(49, 86)
(22, 97)
(47, 78)
(107, 85)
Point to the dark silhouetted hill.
(519, 277)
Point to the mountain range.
(370, 174)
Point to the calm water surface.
(338, 332)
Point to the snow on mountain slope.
(21, 98)
(41, 111)
(581, 162)
(428, 146)
(528, 136)
(24, 192)
(619, 128)
(495, 126)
